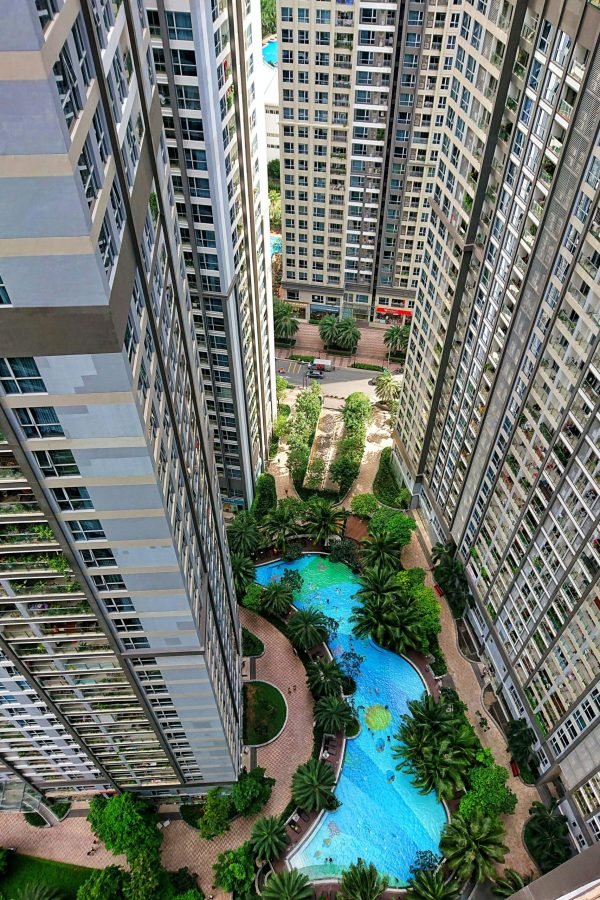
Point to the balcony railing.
(565, 109)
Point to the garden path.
(70, 840)
(278, 467)
(378, 437)
(417, 553)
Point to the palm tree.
(387, 388)
(324, 521)
(381, 550)
(441, 766)
(324, 678)
(285, 323)
(473, 847)
(396, 339)
(521, 738)
(328, 329)
(268, 838)
(312, 785)
(547, 835)
(347, 335)
(35, 890)
(307, 628)
(431, 885)
(376, 583)
(443, 552)
(509, 883)
(333, 715)
(362, 882)
(276, 599)
(243, 572)
(287, 885)
(395, 627)
(243, 534)
(281, 524)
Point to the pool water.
(270, 52)
(383, 818)
(275, 243)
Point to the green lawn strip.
(251, 645)
(24, 871)
(264, 712)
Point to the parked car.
(315, 373)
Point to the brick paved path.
(469, 690)
(70, 840)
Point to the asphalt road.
(339, 383)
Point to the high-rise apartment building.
(352, 205)
(119, 634)
(499, 431)
(209, 65)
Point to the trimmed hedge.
(356, 413)
(386, 487)
(367, 367)
(265, 498)
(301, 357)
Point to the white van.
(323, 365)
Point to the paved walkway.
(378, 437)
(371, 348)
(461, 670)
(70, 840)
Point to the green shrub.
(265, 498)
(345, 551)
(488, 793)
(292, 552)
(396, 525)
(386, 486)
(33, 818)
(216, 813)
(125, 824)
(364, 505)
(234, 871)
(301, 357)
(252, 598)
(251, 645)
(4, 858)
(104, 884)
(190, 813)
(367, 367)
(439, 666)
(251, 791)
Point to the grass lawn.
(27, 870)
(264, 712)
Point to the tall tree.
(324, 520)
(312, 785)
(243, 534)
(281, 524)
(362, 881)
(285, 323)
(387, 388)
(431, 885)
(243, 572)
(473, 847)
(324, 678)
(287, 885)
(347, 334)
(268, 837)
(307, 628)
(333, 714)
(328, 329)
(396, 339)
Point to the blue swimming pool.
(383, 818)
(275, 243)
(270, 52)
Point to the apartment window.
(184, 62)
(20, 375)
(87, 530)
(108, 583)
(98, 558)
(100, 132)
(39, 422)
(56, 463)
(106, 246)
(136, 643)
(72, 498)
(119, 605)
(82, 52)
(46, 10)
(179, 25)
(188, 96)
(66, 82)
(287, 14)
(192, 130)
(4, 298)
(545, 33)
(195, 159)
(89, 174)
(582, 212)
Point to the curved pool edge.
(399, 887)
